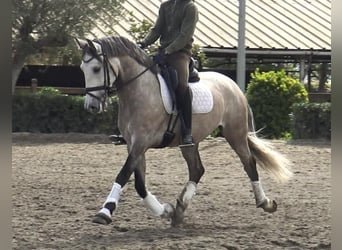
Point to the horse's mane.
(121, 46)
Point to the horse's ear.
(91, 45)
(81, 43)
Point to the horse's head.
(99, 73)
(103, 76)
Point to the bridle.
(110, 88)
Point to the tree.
(41, 24)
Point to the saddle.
(171, 78)
(193, 72)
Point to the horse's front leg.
(137, 165)
(196, 171)
(111, 203)
(164, 210)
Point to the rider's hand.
(160, 57)
(141, 45)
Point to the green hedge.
(51, 112)
(311, 121)
(271, 95)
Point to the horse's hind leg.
(239, 143)
(196, 171)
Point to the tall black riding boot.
(186, 118)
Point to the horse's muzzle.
(92, 105)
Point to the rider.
(175, 28)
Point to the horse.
(114, 64)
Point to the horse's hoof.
(269, 206)
(178, 216)
(169, 211)
(101, 218)
(177, 219)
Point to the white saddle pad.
(202, 98)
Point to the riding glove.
(160, 57)
(141, 45)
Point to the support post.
(302, 70)
(34, 85)
(241, 56)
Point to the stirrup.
(186, 141)
(184, 145)
(117, 139)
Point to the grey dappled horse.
(117, 64)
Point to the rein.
(118, 87)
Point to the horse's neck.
(128, 68)
(137, 86)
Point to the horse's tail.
(270, 160)
(251, 126)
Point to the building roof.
(270, 24)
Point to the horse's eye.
(96, 69)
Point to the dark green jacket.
(175, 26)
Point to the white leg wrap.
(259, 193)
(105, 211)
(190, 190)
(114, 194)
(151, 202)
